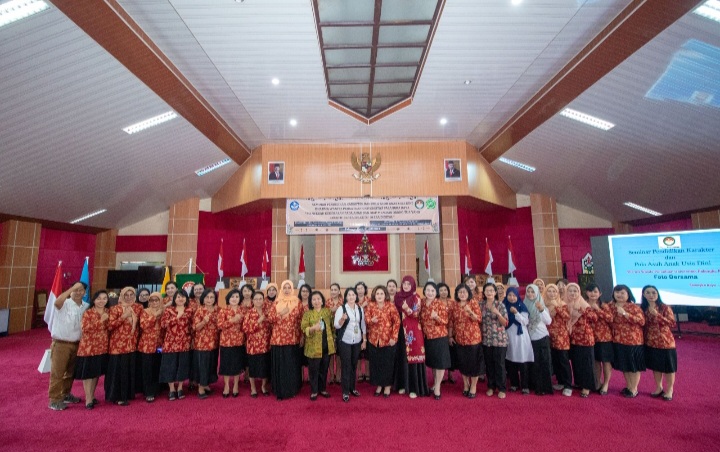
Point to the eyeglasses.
(129, 294)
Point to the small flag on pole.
(301, 266)
(165, 282)
(243, 262)
(468, 262)
(55, 290)
(85, 278)
(265, 262)
(488, 258)
(426, 259)
(511, 262)
(221, 272)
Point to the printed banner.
(363, 215)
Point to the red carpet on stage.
(518, 423)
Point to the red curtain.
(378, 241)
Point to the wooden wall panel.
(325, 170)
(484, 183)
(243, 187)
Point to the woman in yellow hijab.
(285, 351)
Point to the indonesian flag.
(427, 258)
(265, 262)
(301, 266)
(243, 262)
(511, 262)
(220, 261)
(54, 292)
(488, 258)
(468, 262)
(220, 284)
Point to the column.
(280, 245)
(104, 259)
(322, 262)
(182, 237)
(408, 265)
(546, 237)
(706, 220)
(450, 242)
(622, 228)
(19, 246)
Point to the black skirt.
(233, 360)
(400, 371)
(583, 366)
(205, 364)
(120, 378)
(437, 353)
(628, 358)
(259, 365)
(604, 352)
(469, 360)
(417, 380)
(661, 359)
(453, 358)
(150, 370)
(541, 368)
(175, 366)
(88, 367)
(285, 370)
(382, 362)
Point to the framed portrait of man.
(276, 172)
(452, 170)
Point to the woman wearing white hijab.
(539, 318)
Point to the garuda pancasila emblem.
(365, 167)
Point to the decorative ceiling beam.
(112, 28)
(639, 23)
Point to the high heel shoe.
(226, 395)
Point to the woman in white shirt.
(351, 338)
(519, 352)
(539, 318)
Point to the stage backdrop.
(375, 242)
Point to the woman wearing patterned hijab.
(539, 318)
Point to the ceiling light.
(275, 81)
(213, 167)
(293, 122)
(467, 82)
(19, 9)
(90, 215)
(587, 119)
(443, 121)
(154, 121)
(642, 209)
(709, 10)
(522, 166)
(516, 2)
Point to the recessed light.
(516, 2)
(467, 82)
(19, 9)
(522, 166)
(293, 122)
(151, 122)
(443, 121)
(709, 10)
(90, 215)
(587, 119)
(642, 209)
(275, 81)
(213, 167)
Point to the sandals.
(149, 399)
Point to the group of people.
(388, 336)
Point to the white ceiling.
(65, 100)
(660, 154)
